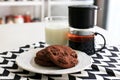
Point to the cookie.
(42, 59)
(62, 56)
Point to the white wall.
(23, 9)
(20, 10)
(35, 10)
(4, 11)
(114, 15)
(113, 21)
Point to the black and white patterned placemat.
(106, 66)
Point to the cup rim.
(58, 18)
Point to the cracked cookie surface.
(62, 56)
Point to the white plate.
(26, 61)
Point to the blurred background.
(35, 10)
(32, 11)
(109, 15)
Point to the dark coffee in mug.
(83, 41)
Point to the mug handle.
(96, 33)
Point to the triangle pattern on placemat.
(104, 67)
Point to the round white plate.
(26, 61)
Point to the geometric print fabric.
(105, 66)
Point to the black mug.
(84, 41)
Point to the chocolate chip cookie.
(62, 56)
(42, 59)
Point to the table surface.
(16, 35)
(17, 39)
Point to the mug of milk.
(56, 29)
